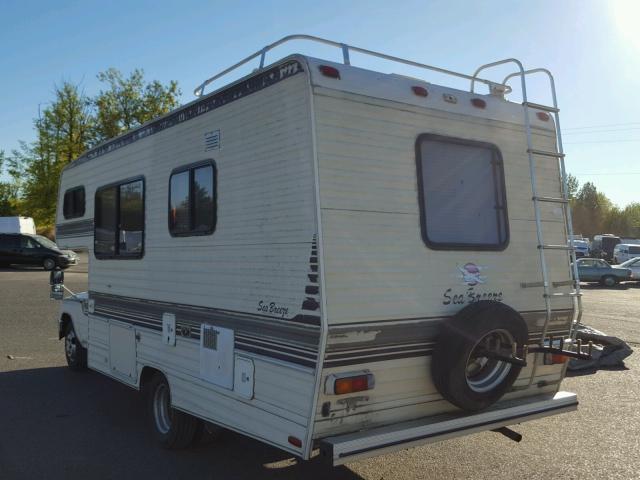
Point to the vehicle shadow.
(59, 424)
(619, 286)
(592, 370)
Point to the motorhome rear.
(291, 256)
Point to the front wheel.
(609, 281)
(49, 263)
(75, 353)
(173, 429)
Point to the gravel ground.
(58, 424)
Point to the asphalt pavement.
(58, 424)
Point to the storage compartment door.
(122, 351)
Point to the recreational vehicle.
(329, 259)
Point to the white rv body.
(17, 225)
(316, 267)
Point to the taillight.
(341, 384)
(554, 359)
(329, 71)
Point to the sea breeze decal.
(273, 308)
(470, 275)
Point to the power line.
(606, 173)
(626, 124)
(590, 132)
(603, 141)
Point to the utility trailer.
(322, 256)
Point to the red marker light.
(478, 103)
(296, 442)
(544, 116)
(420, 91)
(328, 71)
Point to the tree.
(70, 125)
(590, 209)
(572, 186)
(8, 193)
(129, 102)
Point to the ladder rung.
(546, 108)
(545, 153)
(563, 283)
(562, 294)
(556, 247)
(551, 199)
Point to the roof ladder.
(548, 295)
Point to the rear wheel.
(49, 263)
(74, 352)
(172, 428)
(609, 281)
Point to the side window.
(73, 203)
(119, 221)
(26, 242)
(461, 194)
(9, 242)
(601, 264)
(192, 200)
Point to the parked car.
(598, 270)
(625, 251)
(634, 265)
(581, 247)
(25, 249)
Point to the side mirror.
(56, 281)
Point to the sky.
(592, 47)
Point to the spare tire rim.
(483, 373)
(161, 409)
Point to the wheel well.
(146, 375)
(65, 321)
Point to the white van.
(625, 251)
(323, 256)
(17, 225)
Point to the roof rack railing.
(199, 90)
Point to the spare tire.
(460, 372)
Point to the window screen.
(119, 221)
(462, 197)
(73, 203)
(192, 200)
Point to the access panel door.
(122, 351)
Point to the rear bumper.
(354, 446)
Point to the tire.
(464, 378)
(75, 353)
(609, 281)
(172, 428)
(49, 264)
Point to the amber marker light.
(349, 383)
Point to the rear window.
(461, 194)
(73, 203)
